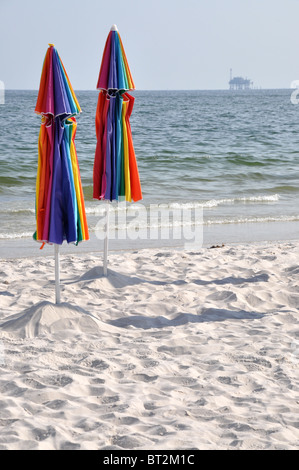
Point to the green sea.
(233, 154)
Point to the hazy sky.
(170, 44)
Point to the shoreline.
(227, 234)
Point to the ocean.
(229, 158)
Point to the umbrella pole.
(57, 275)
(106, 239)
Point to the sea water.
(234, 156)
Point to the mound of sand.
(46, 317)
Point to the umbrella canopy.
(115, 73)
(115, 172)
(60, 208)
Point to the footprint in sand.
(145, 377)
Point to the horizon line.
(163, 89)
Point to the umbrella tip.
(114, 28)
(51, 45)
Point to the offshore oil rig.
(239, 83)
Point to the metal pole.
(106, 240)
(57, 274)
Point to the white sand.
(174, 350)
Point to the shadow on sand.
(120, 280)
(208, 315)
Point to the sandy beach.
(175, 349)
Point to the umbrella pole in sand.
(115, 167)
(106, 239)
(57, 275)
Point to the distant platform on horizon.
(239, 83)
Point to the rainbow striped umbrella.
(115, 72)
(115, 171)
(60, 208)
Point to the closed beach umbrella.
(60, 208)
(115, 72)
(115, 172)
